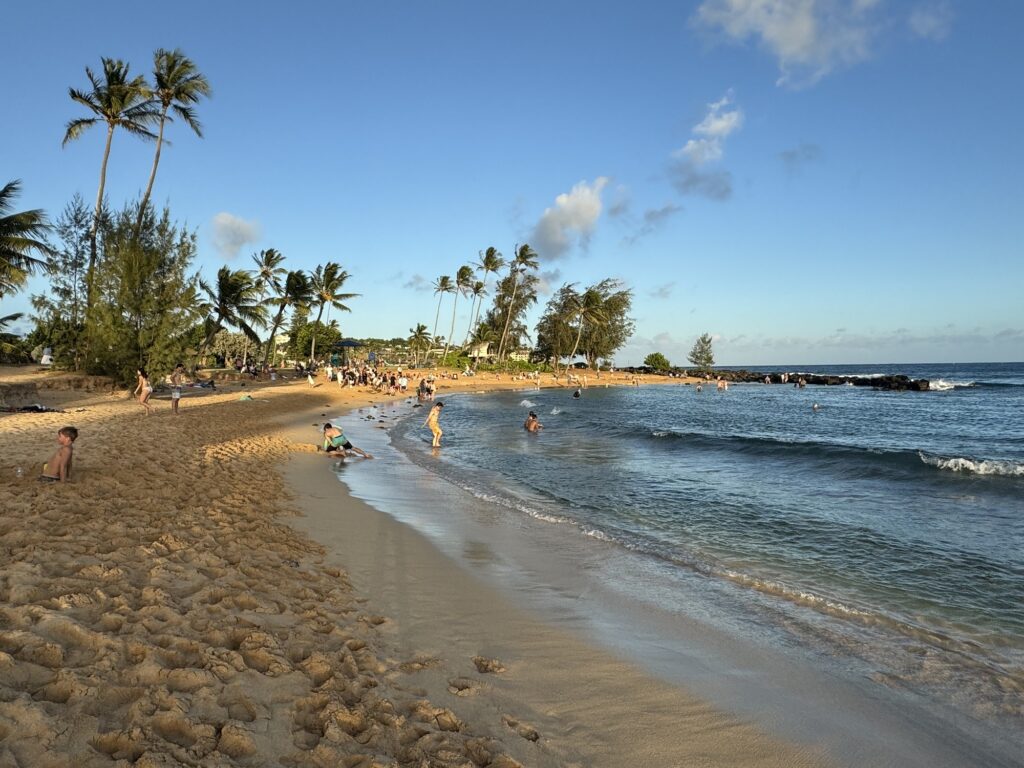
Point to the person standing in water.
(435, 428)
(532, 424)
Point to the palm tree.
(326, 283)
(463, 282)
(234, 301)
(525, 258)
(297, 291)
(20, 235)
(588, 308)
(120, 102)
(491, 262)
(269, 270)
(418, 340)
(179, 85)
(478, 290)
(442, 285)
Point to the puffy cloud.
(687, 169)
(809, 38)
(231, 233)
(570, 220)
(932, 22)
(547, 280)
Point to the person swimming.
(532, 424)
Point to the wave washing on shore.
(885, 529)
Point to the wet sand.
(204, 592)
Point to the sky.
(809, 181)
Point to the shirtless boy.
(58, 468)
(532, 424)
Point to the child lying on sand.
(58, 468)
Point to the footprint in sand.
(485, 665)
(522, 729)
(463, 686)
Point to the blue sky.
(810, 181)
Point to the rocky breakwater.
(895, 382)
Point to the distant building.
(520, 355)
(476, 351)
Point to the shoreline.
(168, 604)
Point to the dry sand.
(188, 599)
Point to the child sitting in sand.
(58, 468)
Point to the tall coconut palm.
(477, 290)
(120, 101)
(463, 282)
(20, 235)
(418, 340)
(297, 291)
(442, 285)
(525, 258)
(269, 270)
(235, 301)
(177, 86)
(326, 282)
(491, 262)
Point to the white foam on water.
(941, 385)
(974, 466)
(527, 404)
(555, 411)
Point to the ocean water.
(880, 534)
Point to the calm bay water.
(883, 530)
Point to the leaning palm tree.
(120, 101)
(178, 85)
(525, 258)
(20, 235)
(235, 301)
(463, 282)
(442, 285)
(418, 340)
(586, 309)
(326, 282)
(297, 292)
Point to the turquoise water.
(882, 531)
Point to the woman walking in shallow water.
(144, 390)
(435, 428)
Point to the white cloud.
(687, 170)
(547, 279)
(231, 233)
(569, 221)
(417, 283)
(809, 38)
(932, 22)
(795, 159)
(663, 291)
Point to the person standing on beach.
(144, 390)
(177, 379)
(435, 428)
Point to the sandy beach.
(204, 592)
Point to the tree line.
(123, 293)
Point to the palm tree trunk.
(447, 341)
(273, 333)
(437, 316)
(469, 326)
(91, 274)
(508, 318)
(576, 346)
(312, 346)
(152, 174)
